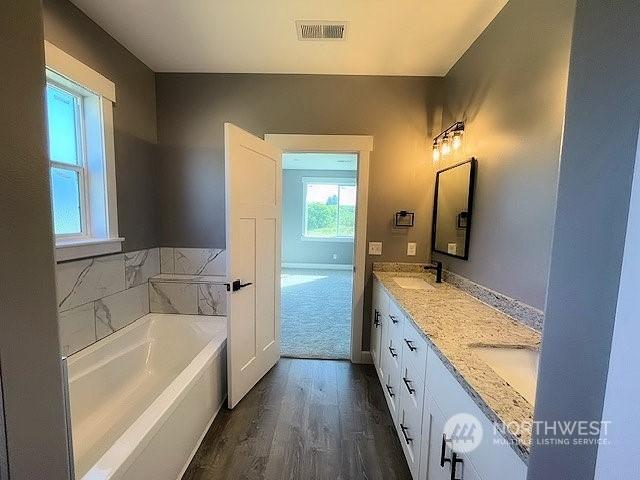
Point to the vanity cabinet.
(447, 397)
(422, 394)
(437, 462)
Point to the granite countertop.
(453, 321)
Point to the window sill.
(74, 249)
(327, 239)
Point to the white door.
(253, 182)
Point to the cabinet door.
(376, 334)
(438, 454)
(377, 304)
(410, 430)
(390, 380)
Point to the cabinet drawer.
(390, 381)
(412, 385)
(396, 321)
(414, 348)
(491, 459)
(410, 432)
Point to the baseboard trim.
(318, 266)
(365, 357)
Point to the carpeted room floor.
(316, 313)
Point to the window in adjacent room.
(329, 208)
(79, 103)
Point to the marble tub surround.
(83, 281)
(454, 322)
(525, 314)
(177, 277)
(188, 294)
(119, 310)
(140, 266)
(98, 296)
(192, 261)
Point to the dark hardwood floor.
(305, 420)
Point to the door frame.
(362, 145)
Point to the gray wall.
(134, 116)
(29, 351)
(596, 172)
(400, 112)
(294, 249)
(510, 89)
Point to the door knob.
(237, 285)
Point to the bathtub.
(143, 398)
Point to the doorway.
(319, 194)
(324, 191)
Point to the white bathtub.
(143, 398)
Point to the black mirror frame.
(472, 182)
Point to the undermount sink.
(412, 283)
(516, 366)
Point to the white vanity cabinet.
(438, 461)
(445, 398)
(422, 394)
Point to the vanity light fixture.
(449, 139)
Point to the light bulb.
(446, 146)
(436, 152)
(456, 143)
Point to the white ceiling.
(319, 161)
(385, 37)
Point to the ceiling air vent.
(308, 30)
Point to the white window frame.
(98, 190)
(339, 181)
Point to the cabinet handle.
(393, 319)
(410, 345)
(404, 433)
(390, 390)
(454, 460)
(443, 460)
(376, 322)
(407, 384)
(454, 463)
(393, 353)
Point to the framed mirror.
(452, 208)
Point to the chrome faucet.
(438, 268)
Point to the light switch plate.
(375, 248)
(411, 248)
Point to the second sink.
(516, 366)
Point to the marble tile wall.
(193, 261)
(198, 295)
(100, 295)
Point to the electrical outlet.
(375, 248)
(411, 248)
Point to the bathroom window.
(67, 161)
(329, 209)
(79, 116)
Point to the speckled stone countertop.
(452, 322)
